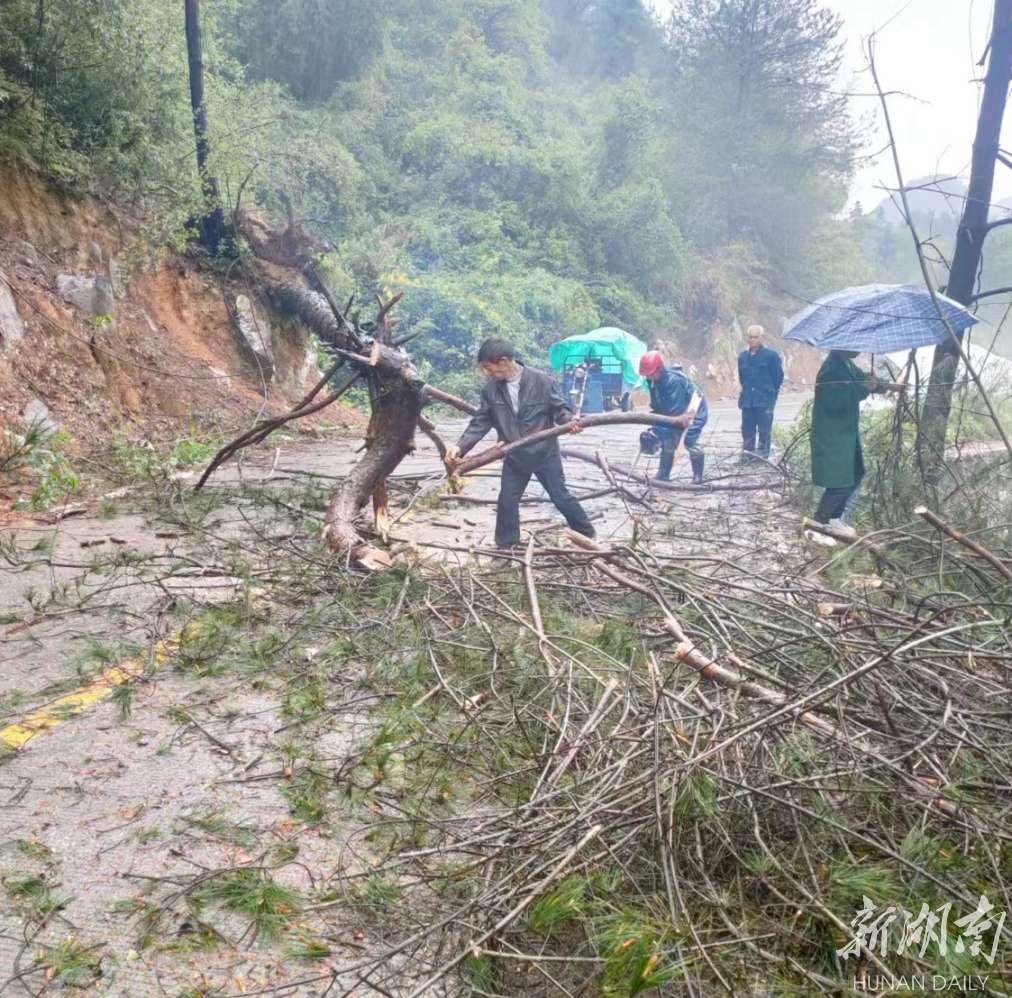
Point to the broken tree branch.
(960, 538)
(451, 400)
(585, 422)
(689, 653)
(266, 427)
(429, 429)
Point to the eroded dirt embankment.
(117, 337)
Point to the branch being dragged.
(585, 422)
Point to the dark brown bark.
(973, 226)
(398, 397)
(313, 310)
(213, 231)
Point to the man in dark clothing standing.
(517, 402)
(673, 394)
(761, 374)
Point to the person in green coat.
(837, 461)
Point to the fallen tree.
(397, 393)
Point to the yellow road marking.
(16, 736)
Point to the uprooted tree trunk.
(396, 391)
(368, 354)
(397, 396)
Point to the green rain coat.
(837, 462)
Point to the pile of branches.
(635, 772)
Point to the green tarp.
(602, 344)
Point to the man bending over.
(673, 394)
(517, 402)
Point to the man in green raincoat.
(837, 461)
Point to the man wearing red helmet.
(673, 394)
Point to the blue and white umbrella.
(877, 318)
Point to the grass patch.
(38, 851)
(222, 828)
(33, 895)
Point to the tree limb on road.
(585, 422)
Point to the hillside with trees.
(534, 169)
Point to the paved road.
(112, 797)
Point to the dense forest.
(533, 168)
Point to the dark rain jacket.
(837, 461)
(540, 407)
(761, 374)
(670, 395)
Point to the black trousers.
(833, 503)
(760, 420)
(514, 480)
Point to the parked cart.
(599, 369)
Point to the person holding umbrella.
(673, 394)
(876, 318)
(760, 373)
(837, 459)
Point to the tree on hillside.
(767, 146)
(310, 45)
(212, 219)
(605, 38)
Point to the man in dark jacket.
(673, 394)
(761, 374)
(517, 402)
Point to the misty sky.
(929, 50)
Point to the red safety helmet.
(651, 363)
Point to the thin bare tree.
(213, 230)
(974, 225)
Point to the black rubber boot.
(667, 463)
(698, 462)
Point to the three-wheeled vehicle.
(599, 369)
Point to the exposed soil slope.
(171, 361)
